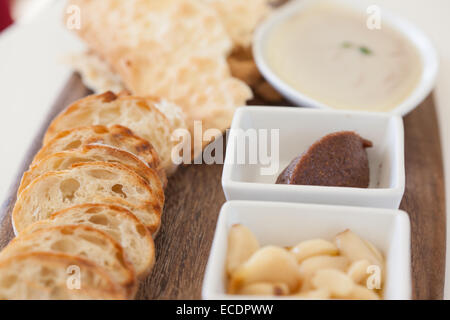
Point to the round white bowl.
(427, 52)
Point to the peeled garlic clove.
(270, 264)
(362, 293)
(337, 283)
(241, 245)
(354, 248)
(306, 284)
(311, 265)
(358, 271)
(374, 250)
(315, 247)
(317, 294)
(265, 289)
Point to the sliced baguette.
(81, 241)
(97, 182)
(48, 276)
(141, 114)
(115, 136)
(90, 153)
(116, 221)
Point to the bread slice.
(140, 114)
(53, 276)
(90, 153)
(115, 136)
(117, 222)
(86, 183)
(81, 241)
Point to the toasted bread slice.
(81, 241)
(90, 153)
(116, 221)
(86, 183)
(115, 136)
(141, 114)
(55, 276)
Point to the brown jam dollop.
(338, 159)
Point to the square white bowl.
(298, 129)
(286, 224)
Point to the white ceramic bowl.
(298, 129)
(424, 46)
(286, 224)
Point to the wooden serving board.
(194, 197)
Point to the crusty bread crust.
(47, 193)
(140, 114)
(90, 153)
(115, 136)
(121, 224)
(31, 271)
(81, 241)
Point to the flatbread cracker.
(95, 72)
(241, 18)
(175, 49)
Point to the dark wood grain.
(424, 200)
(194, 197)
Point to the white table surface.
(31, 79)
